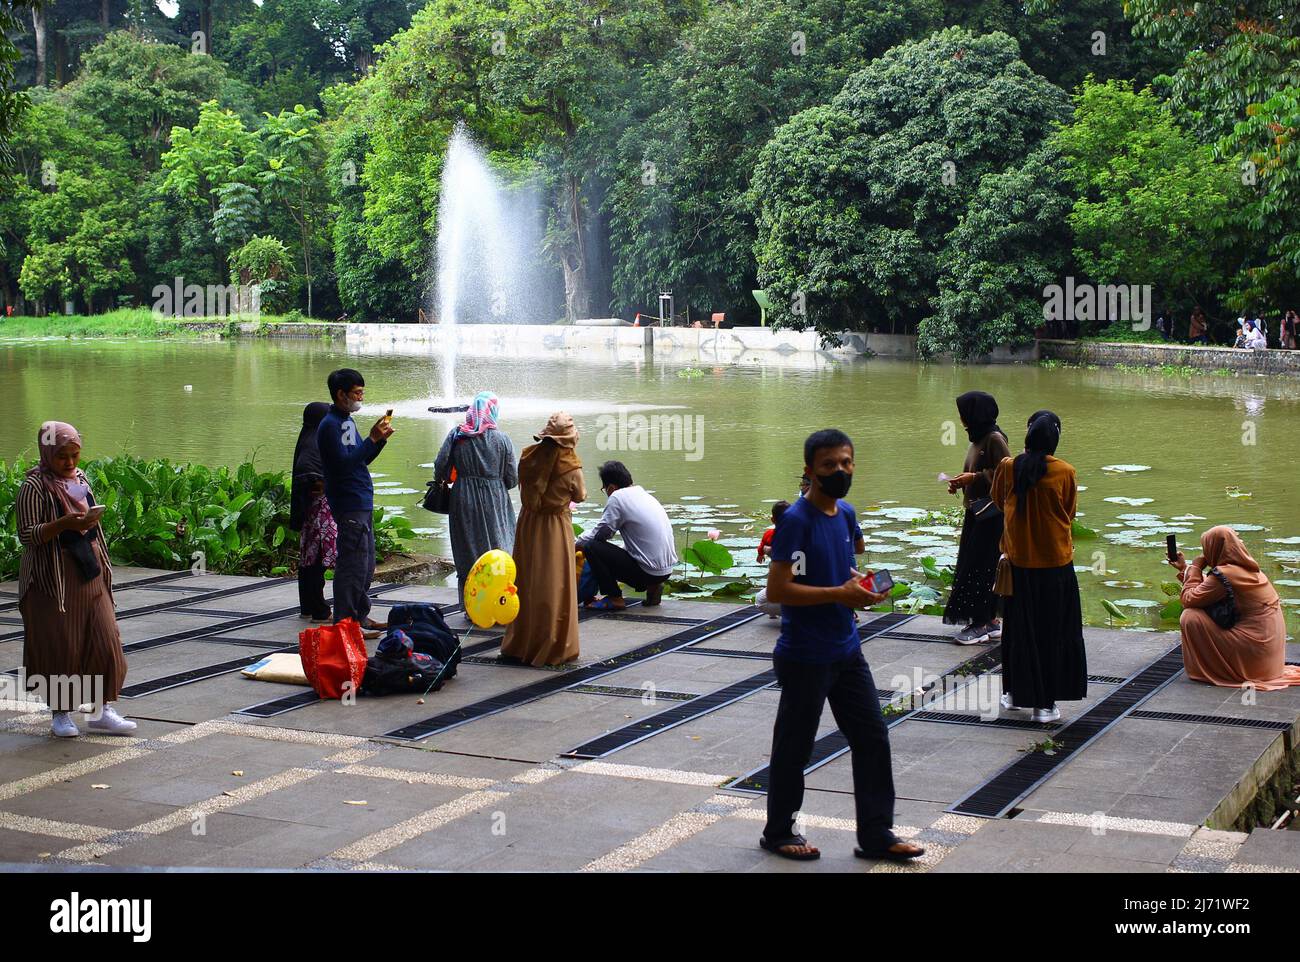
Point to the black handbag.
(1224, 611)
(438, 496)
(984, 509)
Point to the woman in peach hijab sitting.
(1251, 652)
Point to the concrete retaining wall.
(1111, 353)
(674, 345)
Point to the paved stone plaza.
(617, 763)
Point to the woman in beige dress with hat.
(550, 478)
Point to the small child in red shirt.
(765, 545)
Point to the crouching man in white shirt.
(647, 556)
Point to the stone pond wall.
(1111, 353)
(681, 345)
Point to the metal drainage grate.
(922, 636)
(1175, 716)
(124, 585)
(730, 653)
(188, 601)
(833, 744)
(195, 674)
(634, 692)
(196, 634)
(999, 794)
(705, 704)
(279, 706)
(957, 718)
(1108, 679)
(561, 681)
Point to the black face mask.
(836, 484)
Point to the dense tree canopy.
(906, 165)
(678, 211)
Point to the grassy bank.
(131, 322)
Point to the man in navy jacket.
(344, 455)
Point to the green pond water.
(1201, 439)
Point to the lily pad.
(1137, 603)
(1283, 540)
(1112, 610)
(1124, 584)
(1135, 502)
(1126, 468)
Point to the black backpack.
(428, 630)
(398, 676)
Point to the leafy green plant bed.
(166, 515)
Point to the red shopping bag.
(333, 658)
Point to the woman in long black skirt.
(1043, 658)
(972, 602)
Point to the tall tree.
(290, 165)
(855, 199)
(12, 103)
(143, 88)
(75, 186)
(570, 64)
(1152, 204)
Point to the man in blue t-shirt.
(344, 456)
(818, 658)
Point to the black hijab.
(980, 412)
(1041, 439)
(307, 468)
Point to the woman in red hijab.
(72, 651)
(1253, 651)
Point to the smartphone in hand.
(95, 513)
(878, 582)
(1171, 547)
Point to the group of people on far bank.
(1251, 331)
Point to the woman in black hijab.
(972, 601)
(1043, 657)
(309, 513)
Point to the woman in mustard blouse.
(1043, 659)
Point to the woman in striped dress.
(71, 646)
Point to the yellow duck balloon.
(491, 597)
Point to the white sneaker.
(995, 631)
(63, 726)
(1044, 715)
(111, 723)
(1007, 703)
